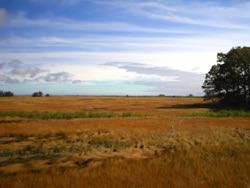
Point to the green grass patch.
(221, 113)
(70, 115)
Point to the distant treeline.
(39, 94)
(6, 94)
(10, 94)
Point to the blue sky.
(113, 47)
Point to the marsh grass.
(208, 167)
(128, 150)
(60, 144)
(29, 152)
(221, 113)
(111, 143)
(70, 115)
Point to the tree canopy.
(6, 94)
(37, 94)
(229, 79)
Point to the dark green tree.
(6, 94)
(37, 94)
(229, 79)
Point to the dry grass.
(165, 149)
(157, 105)
(211, 167)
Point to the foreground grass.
(69, 115)
(222, 113)
(218, 157)
(216, 166)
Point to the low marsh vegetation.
(70, 115)
(59, 144)
(221, 113)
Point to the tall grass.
(69, 115)
(194, 168)
(222, 113)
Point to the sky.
(116, 47)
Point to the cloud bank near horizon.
(155, 79)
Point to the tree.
(40, 94)
(229, 80)
(6, 94)
(37, 94)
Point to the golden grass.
(162, 150)
(156, 105)
(211, 167)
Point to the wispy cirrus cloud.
(76, 25)
(125, 43)
(193, 12)
(61, 2)
(235, 16)
(160, 38)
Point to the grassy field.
(122, 142)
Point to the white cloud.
(93, 72)
(14, 71)
(155, 78)
(162, 79)
(177, 60)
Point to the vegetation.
(37, 94)
(165, 150)
(229, 80)
(223, 113)
(226, 168)
(69, 115)
(161, 95)
(6, 94)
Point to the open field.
(121, 142)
